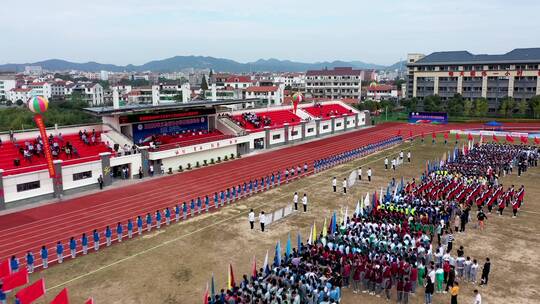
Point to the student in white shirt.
(409, 156)
(386, 163)
(477, 297)
(262, 220)
(344, 186)
(304, 202)
(359, 173)
(334, 184)
(295, 200)
(369, 172)
(251, 218)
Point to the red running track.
(30, 229)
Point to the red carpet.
(30, 229)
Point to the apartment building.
(341, 82)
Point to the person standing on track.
(385, 163)
(304, 202)
(139, 224)
(167, 216)
(96, 240)
(305, 168)
(369, 173)
(334, 184)
(44, 253)
(60, 252)
(360, 173)
(251, 218)
(73, 247)
(158, 219)
(344, 184)
(30, 261)
(130, 228)
(119, 232)
(148, 222)
(262, 220)
(295, 200)
(108, 235)
(401, 157)
(84, 243)
(206, 203)
(192, 207)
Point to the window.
(310, 130)
(28, 186)
(277, 136)
(82, 175)
(294, 133)
(338, 124)
(325, 127)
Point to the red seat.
(326, 111)
(278, 119)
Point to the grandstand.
(326, 111)
(272, 119)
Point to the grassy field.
(173, 265)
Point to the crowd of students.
(395, 245)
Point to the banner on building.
(428, 117)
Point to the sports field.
(173, 265)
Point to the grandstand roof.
(134, 108)
(527, 55)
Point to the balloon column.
(39, 105)
(296, 99)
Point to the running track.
(30, 229)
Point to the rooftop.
(338, 71)
(527, 55)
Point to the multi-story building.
(92, 93)
(514, 74)
(272, 95)
(238, 82)
(381, 92)
(22, 94)
(58, 89)
(41, 89)
(335, 84)
(7, 83)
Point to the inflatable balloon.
(38, 104)
(296, 99)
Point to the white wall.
(31, 134)
(276, 132)
(68, 171)
(11, 182)
(339, 123)
(192, 158)
(134, 160)
(311, 125)
(328, 124)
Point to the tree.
(411, 104)
(204, 83)
(481, 107)
(432, 103)
(468, 108)
(534, 104)
(522, 107)
(455, 105)
(507, 106)
(9, 103)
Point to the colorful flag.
(230, 280)
(346, 216)
(366, 201)
(61, 298)
(265, 264)
(89, 301)
(212, 290)
(509, 138)
(357, 210)
(277, 254)
(310, 240)
(315, 236)
(206, 294)
(32, 292)
(15, 280)
(469, 137)
(324, 229)
(524, 139)
(254, 268)
(5, 269)
(288, 247)
(299, 241)
(333, 227)
(495, 138)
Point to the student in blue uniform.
(139, 224)
(184, 210)
(44, 254)
(233, 193)
(272, 180)
(119, 231)
(167, 216)
(216, 201)
(158, 219)
(192, 208)
(278, 178)
(96, 240)
(30, 261)
(59, 252)
(108, 235)
(130, 228)
(206, 203)
(14, 263)
(255, 185)
(177, 213)
(2, 295)
(199, 205)
(73, 247)
(148, 222)
(84, 243)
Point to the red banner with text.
(46, 148)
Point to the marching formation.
(397, 242)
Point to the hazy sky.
(383, 31)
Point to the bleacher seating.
(326, 111)
(10, 152)
(164, 142)
(277, 119)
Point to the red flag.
(5, 269)
(536, 140)
(399, 132)
(495, 138)
(410, 133)
(89, 301)
(524, 139)
(230, 281)
(433, 135)
(32, 292)
(458, 137)
(469, 137)
(15, 280)
(423, 135)
(206, 293)
(254, 269)
(446, 135)
(61, 298)
(509, 138)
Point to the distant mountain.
(178, 63)
(400, 65)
